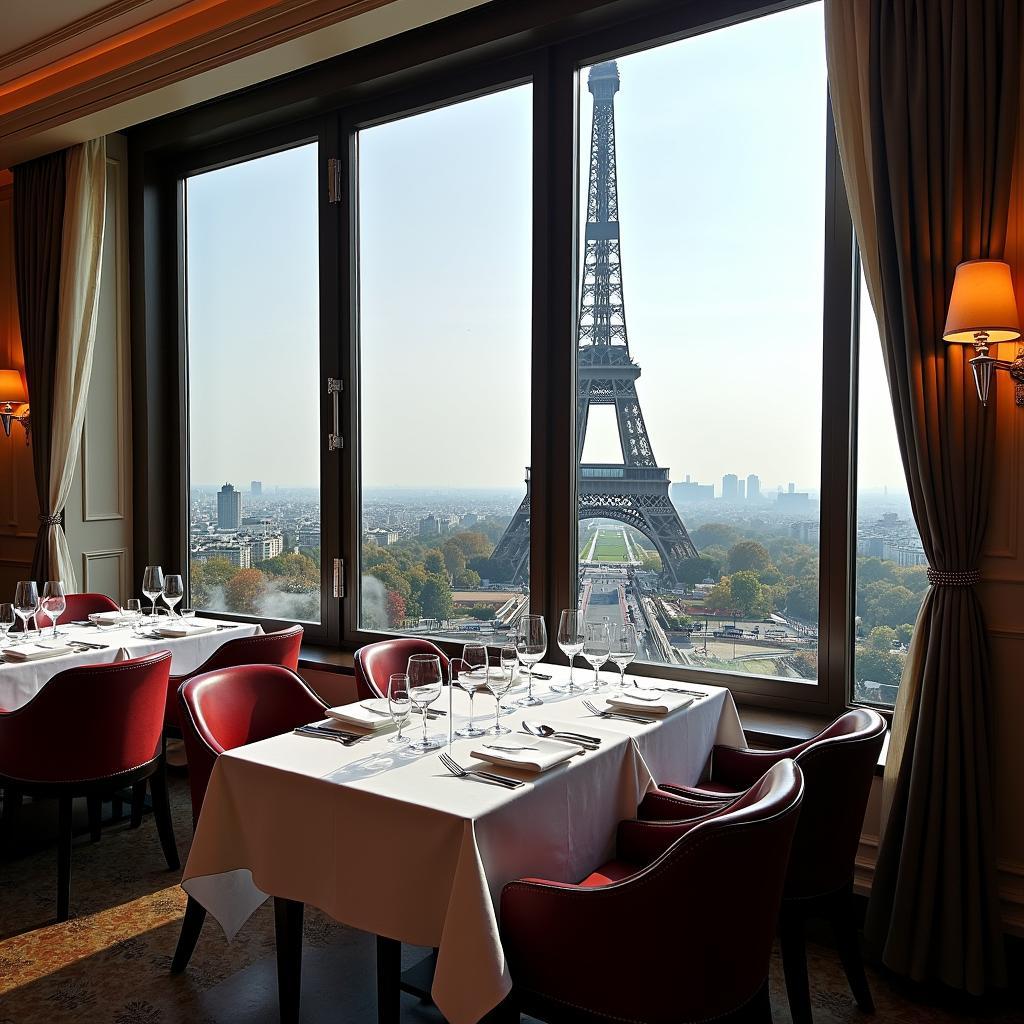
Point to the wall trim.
(121, 554)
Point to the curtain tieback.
(966, 578)
(52, 519)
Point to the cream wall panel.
(105, 572)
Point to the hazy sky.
(720, 144)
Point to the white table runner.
(398, 847)
(21, 681)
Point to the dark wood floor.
(109, 963)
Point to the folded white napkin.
(34, 652)
(654, 702)
(534, 754)
(368, 714)
(111, 618)
(186, 627)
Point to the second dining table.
(397, 846)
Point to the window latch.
(334, 440)
(339, 577)
(333, 180)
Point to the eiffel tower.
(634, 492)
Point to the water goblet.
(473, 676)
(26, 602)
(499, 683)
(153, 585)
(426, 681)
(8, 617)
(399, 704)
(531, 646)
(173, 592)
(570, 640)
(54, 602)
(622, 648)
(596, 648)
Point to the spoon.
(547, 732)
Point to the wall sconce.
(983, 309)
(14, 402)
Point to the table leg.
(288, 927)
(389, 976)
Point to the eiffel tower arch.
(635, 491)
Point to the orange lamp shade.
(12, 387)
(982, 302)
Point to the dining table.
(92, 644)
(388, 840)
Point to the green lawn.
(610, 547)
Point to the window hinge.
(335, 385)
(333, 180)
(339, 577)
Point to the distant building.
(262, 548)
(741, 490)
(689, 492)
(229, 508)
(806, 533)
(236, 554)
(385, 538)
(793, 500)
(256, 488)
(470, 519)
(753, 487)
(730, 487)
(430, 526)
(308, 538)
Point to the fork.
(671, 689)
(464, 773)
(594, 709)
(345, 738)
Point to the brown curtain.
(940, 129)
(38, 206)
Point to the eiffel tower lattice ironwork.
(634, 492)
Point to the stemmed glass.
(153, 585)
(399, 704)
(8, 617)
(174, 591)
(499, 683)
(570, 640)
(54, 602)
(425, 683)
(596, 648)
(531, 646)
(26, 602)
(622, 648)
(133, 612)
(473, 676)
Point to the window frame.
(456, 59)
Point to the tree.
(905, 633)
(483, 612)
(433, 562)
(745, 588)
(244, 591)
(871, 666)
(468, 579)
(802, 600)
(871, 570)
(472, 544)
(804, 664)
(696, 570)
(396, 608)
(714, 534)
(887, 604)
(218, 570)
(882, 638)
(454, 557)
(719, 598)
(436, 599)
(749, 555)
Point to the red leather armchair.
(679, 928)
(838, 766)
(91, 730)
(376, 663)
(221, 710)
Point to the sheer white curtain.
(81, 263)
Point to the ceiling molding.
(68, 32)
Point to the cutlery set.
(477, 775)
(617, 715)
(327, 733)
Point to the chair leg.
(138, 803)
(64, 858)
(848, 945)
(95, 806)
(162, 813)
(288, 927)
(389, 979)
(794, 965)
(191, 927)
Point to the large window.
(891, 566)
(252, 320)
(444, 264)
(699, 365)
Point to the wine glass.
(531, 646)
(425, 683)
(596, 648)
(399, 703)
(173, 591)
(570, 640)
(54, 602)
(26, 602)
(499, 683)
(153, 585)
(622, 648)
(8, 617)
(133, 612)
(473, 676)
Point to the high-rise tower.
(635, 491)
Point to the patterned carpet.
(110, 962)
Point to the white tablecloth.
(398, 847)
(21, 681)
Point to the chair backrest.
(88, 722)
(376, 663)
(707, 910)
(233, 706)
(78, 607)
(838, 766)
